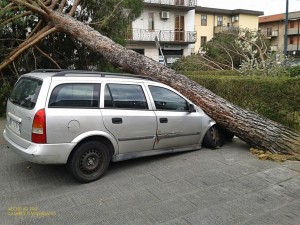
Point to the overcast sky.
(269, 7)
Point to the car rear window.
(75, 96)
(26, 92)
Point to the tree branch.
(30, 7)
(16, 17)
(74, 7)
(27, 44)
(47, 56)
(62, 5)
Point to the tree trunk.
(257, 131)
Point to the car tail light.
(38, 134)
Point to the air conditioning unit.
(165, 15)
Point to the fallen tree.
(257, 131)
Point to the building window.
(234, 18)
(291, 41)
(269, 31)
(203, 20)
(292, 24)
(179, 2)
(203, 40)
(220, 21)
(179, 28)
(151, 21)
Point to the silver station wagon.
(86, 119)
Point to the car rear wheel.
(213, 138)
(89, 161)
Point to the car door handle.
(163, 120)
(117, 120)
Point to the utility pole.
(286, 28)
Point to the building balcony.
(178, 4)
(270, 34)
(293, 47)
(221, 29)
(164, 36)
(293, 31)
(274, 48)
(274, 33)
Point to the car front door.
(127, 116)
(177, 126)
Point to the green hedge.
(211, 73)
(276, 98)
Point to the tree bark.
(257, 131)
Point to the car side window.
(125, 96)
(75, 96)
(166, 99)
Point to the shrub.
(276, 98)
(294, 71)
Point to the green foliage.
(4, 93)
(276, 98)
(111, 17)
(189, 63)
(294, 71)
(223, 48)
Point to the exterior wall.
(248, 21)
(277, 37)
(207, 31)
(277, 22)
(244, 21)
(164, 29)
(226, 20)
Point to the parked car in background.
(86, 119)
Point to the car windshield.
(25, 92)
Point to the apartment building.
(180, 28)
(293, 45)
(209, 21)
(171, 23)
(273, 28)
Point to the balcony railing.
(220, 29)
(274, 48)
(293, 47)
(293, 31)
(162, 35)
(274, 33)
(270, 33)
(186, 3)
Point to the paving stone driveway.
(225, 186)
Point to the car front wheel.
(213, 138)
(89, 161)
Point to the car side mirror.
(192, 108)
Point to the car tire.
(89, 161)
(213, 138)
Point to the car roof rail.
(61, 73)
(48, 70)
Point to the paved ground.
(225, 186)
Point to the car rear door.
(177, 127)
(127, 116)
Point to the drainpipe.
(298, 36)
(286, 28)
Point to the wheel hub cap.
(90, 161)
